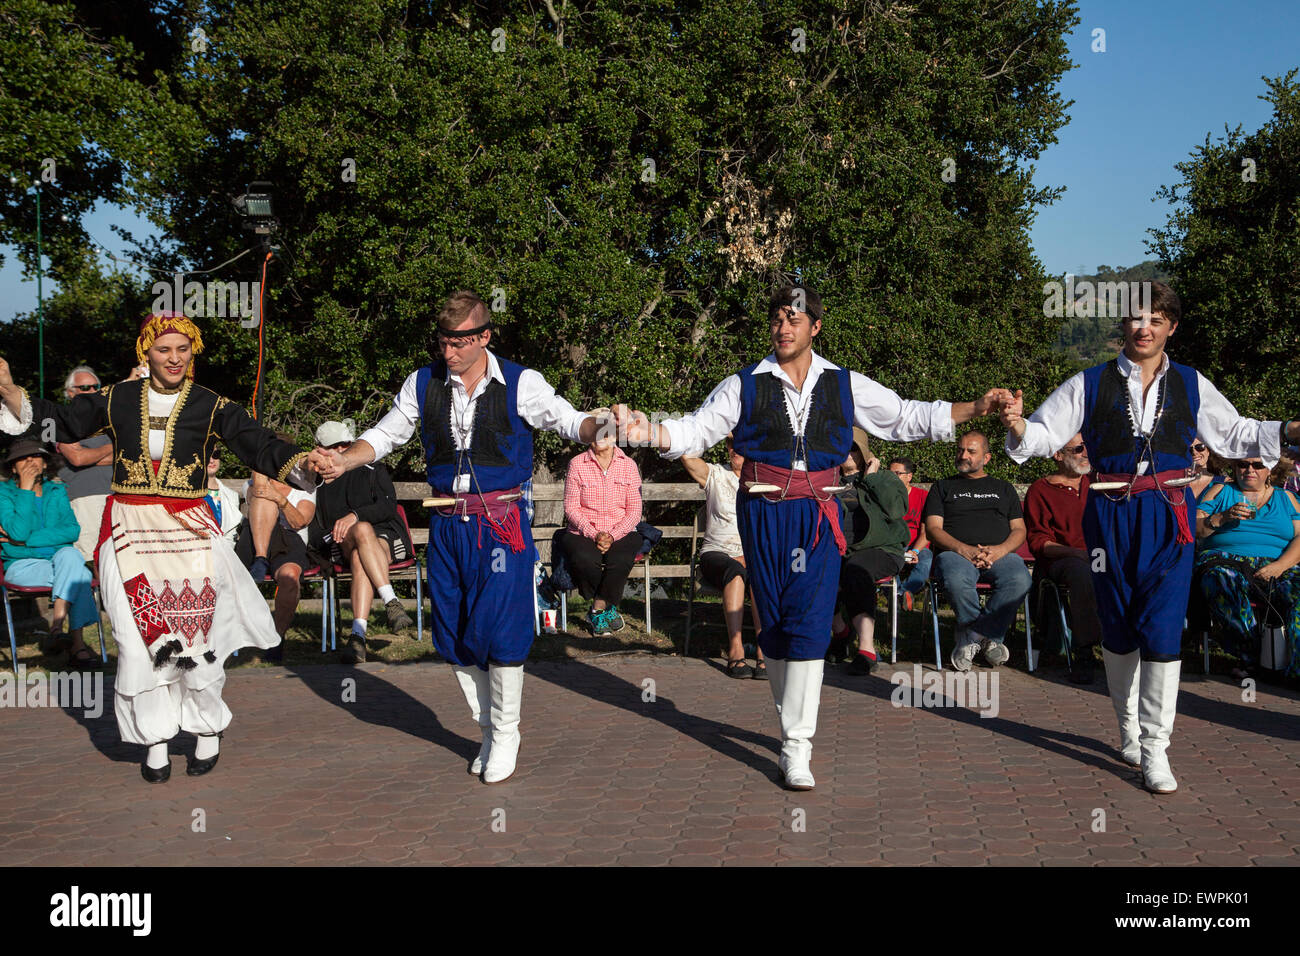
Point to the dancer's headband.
(464, 333)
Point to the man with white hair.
(358, 511)
(1054, 526)
(89, 470)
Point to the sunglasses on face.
(1075, 449)
(1252, 466)
(1198, 448)
(85, 388)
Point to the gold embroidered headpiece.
(161, 323)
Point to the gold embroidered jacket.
(197, 422)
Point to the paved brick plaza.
(605, 777)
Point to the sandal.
(760, 671)
(85, 660)
(55, 642)
(738, 668)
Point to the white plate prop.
(757, 488)
(1108, 486)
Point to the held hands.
(991, 401)
(604, 541)
(635, 425)
(985, 556)
(326, 463)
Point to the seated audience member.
(602, 507)
(1250, 534)
(38, 550)
(722, 560)
(363, 531)
(1207, 466)
(273, 540)
(875, 529)
(975, 526)
(88, 473)
(918, 556)
(1054, 525)
(223, 500)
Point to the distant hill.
(1089, 341)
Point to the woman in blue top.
(1257, 526)
(39, 533)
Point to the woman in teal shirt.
(39, 530)
(1257, 527)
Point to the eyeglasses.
(1075, 450)
(340, 446)
(85, 388)
(1198, 447)
(1252, 465)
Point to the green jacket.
(36, 526)
(880, 503)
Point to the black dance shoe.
(197, 768)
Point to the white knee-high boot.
(1157, 705)
(474, 685)
(797, 690)
(505, 685)
(1122, 679)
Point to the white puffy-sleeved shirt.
(1218, 424)
(536, 403)
(876, 409)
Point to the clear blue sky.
(1173, 71)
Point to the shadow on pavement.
(380, 703)
(1078, 747)
(608, 688)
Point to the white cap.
(333, 433)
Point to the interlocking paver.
(606, 778)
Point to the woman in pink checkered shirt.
(602, 505)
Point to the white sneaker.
(995, 652)
(963, 654)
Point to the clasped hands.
(982, 556)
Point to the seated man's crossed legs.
(982, 629)
(368, 556)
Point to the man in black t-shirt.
(975, 526)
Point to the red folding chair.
(333, 601)
(5, 588)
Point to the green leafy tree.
(626, 180)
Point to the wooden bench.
(548, 517)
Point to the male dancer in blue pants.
(792, 418)
(1138, 414)
(476, 414)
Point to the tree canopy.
(627, 180)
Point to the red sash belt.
(1156, 481)
(502, 516)
(800, 484)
